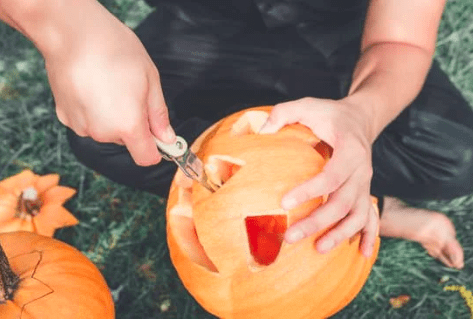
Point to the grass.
(123, 230)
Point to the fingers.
(346, 176)
(351, 206)
(362, 218)
(317, 114)
(355, 222)
(142, 147)
(336, 172)
(339, 204)
(369, 233)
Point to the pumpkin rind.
(215, 262)
(56, 280)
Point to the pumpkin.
(46, 278)
(34, 203)
(228, 247)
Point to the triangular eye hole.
(265, 237)
(220, 168)
(249, 123)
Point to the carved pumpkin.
(45, 278)
(34, 203)
(228, 247)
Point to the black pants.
(208, 72)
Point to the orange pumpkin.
(46, 278)
(34, 203)
(228, 247)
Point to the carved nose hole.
(265, 236)
(220, 168)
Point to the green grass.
(123, 230)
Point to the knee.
(461, 165)
(449, 161)
(115, 162)
(85, 149)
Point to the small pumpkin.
(42, 277)
(228, 247)
(33, 203)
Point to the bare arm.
(397, 48)
(396, 53)
(52, 25)
(104, 83)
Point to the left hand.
(346, 176)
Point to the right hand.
(106, 86)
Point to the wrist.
(365, 108)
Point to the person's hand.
(106, 87)
(346, 177)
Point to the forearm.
(387, 78)
(53, 25)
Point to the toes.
(453, 251)
(450, 253)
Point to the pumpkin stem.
(8, 279)
(29, 202)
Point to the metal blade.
(187, 161)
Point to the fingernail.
(288, 203)
(368, 251)
(169, 135)
(294, 236)
(325, 246)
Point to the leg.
(426, 154)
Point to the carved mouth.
(265, 237)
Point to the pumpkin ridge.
(28, 253)
(56, 280)
(338, 288)
(194, 242)
(356, 286)
(23, 307)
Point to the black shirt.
(325, 24)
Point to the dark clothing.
(217, 59)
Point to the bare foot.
(433, 230)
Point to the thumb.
(281, 115)
(158, 116)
